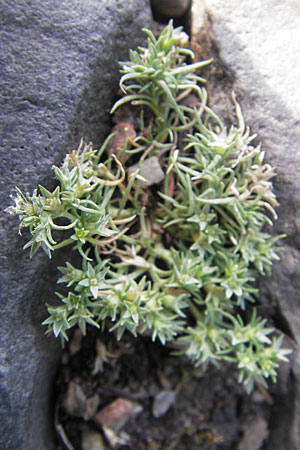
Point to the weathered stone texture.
(59, 78)
(259, 45)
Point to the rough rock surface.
(258, 44)
(59, 77)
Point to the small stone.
(162, 403)
(92, 440)
(257, 397)
(150, 170)
(124, 134)
(254, 435)
(116, 414)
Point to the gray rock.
(59, 78)
(162, 403)
(150, 170)
(259, 48)
(254, 435)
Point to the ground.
(194, 409)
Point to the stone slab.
(258, 43)
(59, 77)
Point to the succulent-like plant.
(173, 252)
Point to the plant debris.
(77, 404)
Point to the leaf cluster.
(176, 259)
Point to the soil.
(205, 410)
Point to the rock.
(254, 435)
(162, 403)
(150, 171)
(92, 440)
(125, 134)
(59, 78)
(256, 50)
(117, 413)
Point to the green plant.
(176, 259)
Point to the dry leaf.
(77, 404)
(102, 357)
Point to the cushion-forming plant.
(168, 217)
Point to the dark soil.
(210, 411)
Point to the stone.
(254, 435)
(59, 78)
(92, 440)
(163, 401)
(150, 171)
(117, 413)
(256, 54)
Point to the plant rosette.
(169, 218)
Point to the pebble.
(162, 403)
(150, 170)
(254, 435)
(92, 440)
(116, 413)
